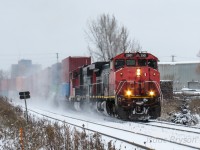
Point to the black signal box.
(24, 95)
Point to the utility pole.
(57, 57)
(173, 58)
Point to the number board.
(129, 55)
(143, 55)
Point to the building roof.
(179, 62)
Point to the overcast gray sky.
(38, 29)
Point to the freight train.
(127, 86)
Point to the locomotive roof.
(142, 54)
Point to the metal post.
(26, 142)
(26, 109)
(173, 58)
(57, 57)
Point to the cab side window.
(119, 63)
(152, 63)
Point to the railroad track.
(161, 125)
(174, 124)
(125, 131)
(136, 145)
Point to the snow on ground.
(198, 117)
(172, 135)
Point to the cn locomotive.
(128, 86)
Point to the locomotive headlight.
(128, 93)
(138, 73)
(151, 93)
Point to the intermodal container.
(56, 73)
(65, 89)
(4, 85)
(72, 63)
(20, 84)
(43, 80)
(12, 84)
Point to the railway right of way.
(144, 139)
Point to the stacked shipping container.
(68, 65)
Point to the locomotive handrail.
(88, 86)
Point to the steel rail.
(174, 124)
(153, 125)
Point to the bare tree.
(107, 39)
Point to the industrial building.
(183, 74)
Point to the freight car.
(128, 86)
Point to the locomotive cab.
(135, 78)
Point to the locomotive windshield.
(151, 63)
(142, 62)
(119, 63)
(130, 62)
